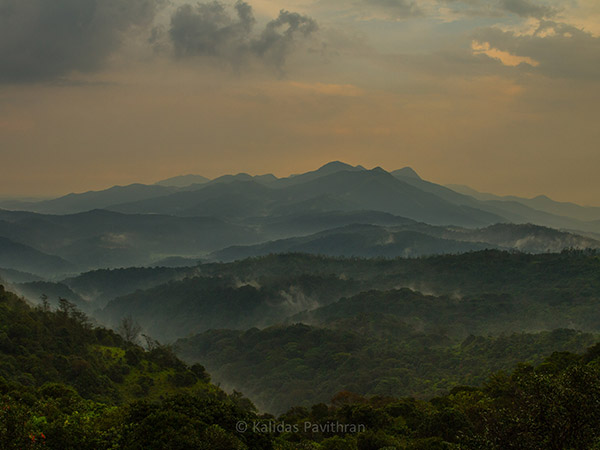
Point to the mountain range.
(337, 210)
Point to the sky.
(500, 95)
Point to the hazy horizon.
(498, 95)
(47, 196)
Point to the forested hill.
(58, 391)
(42, 346)
(66, 384)
(283, 366)
(539, 292)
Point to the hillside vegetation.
(58, 390)
(66, 384)
(473, 293)
(282, 366)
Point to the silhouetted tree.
(129, 329)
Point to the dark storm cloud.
(48, 39)
(209, 29)
(560, 49)
(277, 39)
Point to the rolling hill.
(540, 203)
(414, 239)
(74, 203)
(24, 258)
(101, 239)
(494, 290)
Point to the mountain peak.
(335, 166)
(406, 172)
(379, 169)
(183, 180)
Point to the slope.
(413, 239)
(24, 258)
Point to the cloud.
(277, 39)
(209, 29)
(560, 50)
(526, 8)
(448, 9)
(396, 8)
(504, 57)
(373, 9)
(48, 39)
(499, 8)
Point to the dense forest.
(66, 384)
(280, 367)
(489, 291)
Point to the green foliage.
(553, 405)
(214, 302)
(474, 293)
(530, 409)
(298, 364)
(66, 384)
